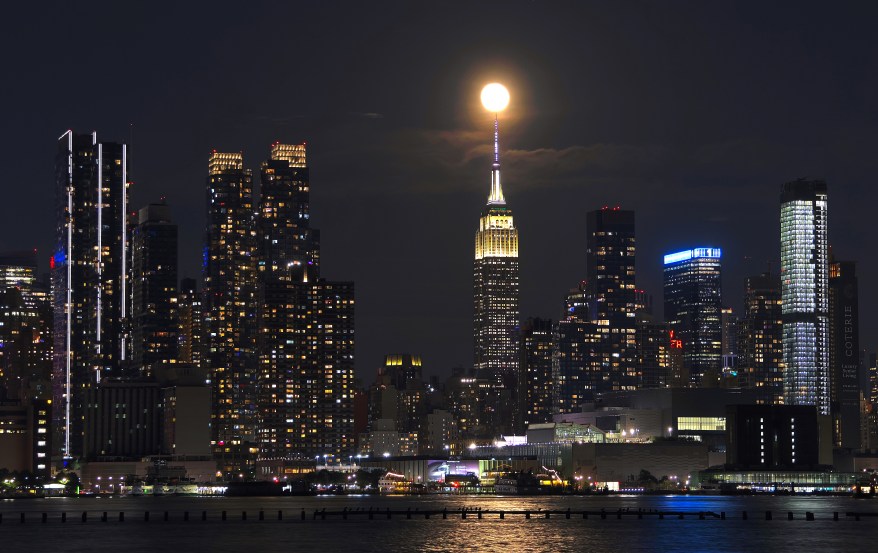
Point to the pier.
(370, 513)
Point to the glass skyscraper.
(804, 260)
(693, 309)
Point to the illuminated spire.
(496, 196)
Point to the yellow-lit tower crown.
(495, 269)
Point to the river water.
(512, 534)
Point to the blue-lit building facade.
(804, 262)
(693, 308)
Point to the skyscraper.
(25, 329)
(760, 343)
(844, 353)
(612, 298)
(693, 305)
(804, 273)
(534, 386)
(574, 376)
(306, 324)
(229, 306)
(286, 262)
(89, 275)
(653, 352)
(496, 285)
(154, 288)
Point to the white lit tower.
(804, 264)
(495, 271)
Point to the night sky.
(691, 113)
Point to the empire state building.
(496, 284)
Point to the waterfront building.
(26, 436)
(154, 320)
(90, 268)
(774, 437)
(804, 260)
(693, 309)
(123, 418)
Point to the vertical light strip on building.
(100, 280)
(68, 392)
(124, 239)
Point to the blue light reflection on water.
(402, 535)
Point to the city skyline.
(679, 203)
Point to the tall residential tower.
(804, 273)
(229, 293)
(611, 298)
(89, 275)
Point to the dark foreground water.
(514, 533)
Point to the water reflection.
(402, 535)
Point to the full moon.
(495, 97)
